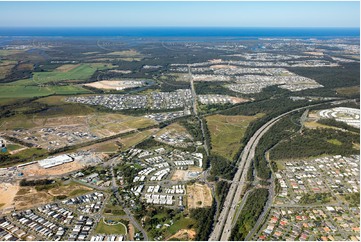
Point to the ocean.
(183, 32)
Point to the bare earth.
(7, 194)
(35, 170)
(131, 231)
(238, 100)
(187, 234)
(115, 85)
(181, 175)
(314, 53)
(28, 197)
(67, 67)
(199, 196)
(223, 67)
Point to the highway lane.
(194, 95)
(222, 230)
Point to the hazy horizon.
(180, 14)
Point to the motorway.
(223, 228)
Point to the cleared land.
(79, 72)
(104, 228)
(7, 194)
(198, 196)
(10, 52)
(45, 130)
(114, 84)
(348, 90)
(227, 132)
(184, 234)
(174, 127)
(19, 91)
(133, 139)
(125, 53)
(315, 125)
(5, 68)
(34, 170)
(27, 197)
(66, 67)
(183, 175)
(72, 189)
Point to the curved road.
(223, 228)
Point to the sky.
(180, 14)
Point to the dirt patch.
(131, 232)
(7, 194)
(115, 84)
(66, 190)
(314, 53)
(199, 196)
(238, 100)
(184, 175)
(29, 197)
(34, 170)
(223, 67)
(179, 175)
(184, 234)
(66, 67)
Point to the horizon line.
(308, 27)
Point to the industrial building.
(55, 161)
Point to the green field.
(227, 132)
(12, 147)
(82, 72)
(103, 228)
(12, 91)
(113, 210)
(334, 141)
(28, 153)
(183, 223)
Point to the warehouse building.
(54, 161)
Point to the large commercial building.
(54, 161)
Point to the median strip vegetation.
(249, 214)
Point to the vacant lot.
(114, 84)
(7, 194)
(104, 228)
(174, 127)
(95, 126)
(183, 175)
(18, 91)
(227, 132)
(27, 197)
(110, 124)
(79, 72)
(5, 68)
(348, 91)
(199, 196)
(10, 52)
(73, 189)
(34, 170)
(125, 53)
(133, 139)
(184, 235)
(66, 67)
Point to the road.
(266, 208)
(223, 228)
(126, 210)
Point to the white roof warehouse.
(54, 161)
